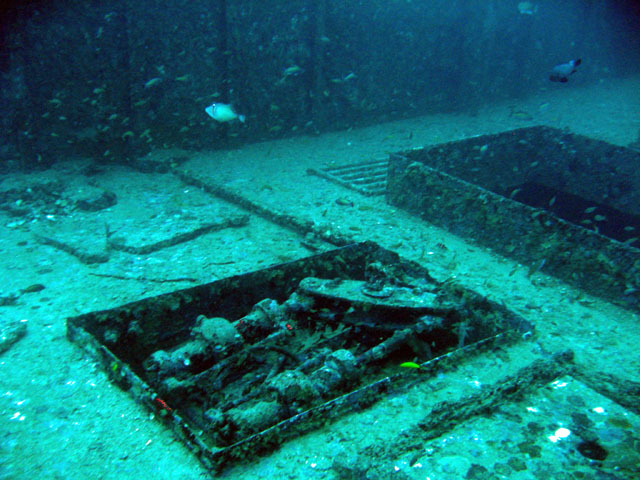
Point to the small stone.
(454, 464)
(502, 469)
(11, 332)
(8, 300)
(97, 201)
(478, 472)
(531, 449)
(517, 464)
(593, 450)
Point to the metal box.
(553, 200)
(245, 363)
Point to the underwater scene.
(316, 239)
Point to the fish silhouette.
(560, 73)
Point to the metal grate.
(368, 178)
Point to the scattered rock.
(97, 201)
(34, 201)
(454, 464)
(9, 299)
(478, 472)
(351, 466)
(592, 450)
(517, 464)
(10, 332)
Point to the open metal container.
(552, 200)
(245, 363)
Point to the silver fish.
(223, 112)
(560, 73)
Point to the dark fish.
(560, 73)
(36, 287)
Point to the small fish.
(344, 202)
(410, 365)
(590, 209)
(36, 287)
(515, 192)
(152, 82)
(292, 70)
(519, 114)
(560, 73)
(223, 112)
(536, 267)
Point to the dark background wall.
(112, 80)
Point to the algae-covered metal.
(539, 195)
(245, 363)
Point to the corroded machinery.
(248, 362)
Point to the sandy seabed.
(61, 418)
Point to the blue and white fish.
(560, 73)
(223, 112)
